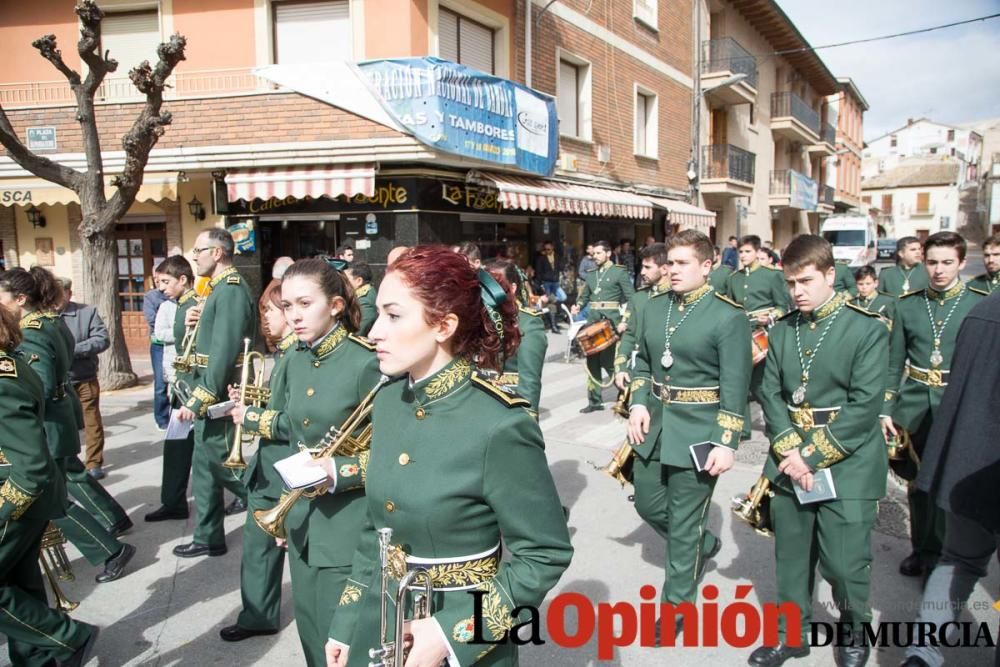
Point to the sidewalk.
(168, 611)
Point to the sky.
(951, 75)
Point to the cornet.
(56, 565)
(337, 441)
(250, 394)
(755, 507)
(185, 362)
(393, 650)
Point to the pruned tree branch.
(38, 165)
(46, 45)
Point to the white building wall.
(907, 220)
(924, 138)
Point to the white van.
(853, 238)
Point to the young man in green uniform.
(870, 298)
(31, 487)
(653, 271)
(989, 282)
(226, 318)
(606, 288)
(824, 375)
(923, 342)
(720, 273)
(692, 366)
(908, 275)
(360, 276)
(177, 282)
(844, 279)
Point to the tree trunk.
(100, 277)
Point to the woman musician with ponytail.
(457, 464)
(326, 376)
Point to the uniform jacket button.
(420, 413)
(390, 506)
(310, 391)
(306, 422)
(404, 458)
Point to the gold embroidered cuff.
(351, 594)
(822, 449)
(786, 441)
(14, 495)
(266, 424)
(200, 399)
(363, 464)
(730, 421)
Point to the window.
(645, 123)
(892, 141)
(945, 222)
(464, 41)
(951, 137)
(933, 151)
(311, 32)
(886, 204)
(573, 98)
(923, 202)
(645, 11)
(130, 37)
(753, 115)
(867, 199)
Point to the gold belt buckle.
(935, 378)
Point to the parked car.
(886, 250)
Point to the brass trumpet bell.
(56, 565)
(755, 507)
(899, 445)
(250, 394)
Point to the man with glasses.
(226, 318)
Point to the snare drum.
(758, 345)
(596, 337)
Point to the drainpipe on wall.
(527, 43)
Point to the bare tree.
(100, 213)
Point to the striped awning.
(686, 215)
(311, 181)
(546, 196)
(156, 186)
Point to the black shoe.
(237, 633)
(121, 527)
(82, 654)
(114, 567)
(913, 566)
(193, 550)
(591, 408)
(238, 505)
(772, 656)
(707, 557)
(166, 514)
(914, 661)
(851, 655)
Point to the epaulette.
(362, 341)
(233, 279)
(916, 291)
(33, 324)
(977, 290)
(728, 300)
(620, 266)
(488, 382)
(773, 268)
(788, 314)
(644, 288)
(530, 311)
(861, 310)
(8, 369)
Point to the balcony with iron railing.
(827, 144)
(827, 195)
(793, 119)
(119, 89)
(722, 59)
(791, 189)
(727, 170)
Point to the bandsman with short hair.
(989, 282)
(870, 298)
(908, 274)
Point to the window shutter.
(923, 202)
(645, 11)
(640, 123)
(309, 32)
(448, 35)
(886, 204)
(568, 102)
(131, 37)
(476, 42)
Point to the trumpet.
(185, 362)
(256, 394)
(336, 441)
(620, 407)
(620, 465)
(392, 652)
(56, 565)
(899, 445)
(755, 507)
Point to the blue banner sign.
(803, 190)
(463, 111)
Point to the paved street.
(168, 611)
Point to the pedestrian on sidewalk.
(151, 302)
(91, 338)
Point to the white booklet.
(177, 429)
(822, 490)
(298, 471)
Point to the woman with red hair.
(457, 464)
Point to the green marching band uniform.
(523, 371)
(917, 377)
(31, 492)
(606, 288)
(839, 353)
(626, 344)
(323, 385)
(228, 316)
(433, 469)
(986, 282)
(897, 281)
(844, 279)
(366, 302)
(86, 490)
(760, 290)
(177, 453)
(44, 348)
(692, 371)
(880, 303)
(719, 276)
(262, 560)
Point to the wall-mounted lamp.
(35, 216)
(196, 209)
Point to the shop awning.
(686, 215)
(313, 181)
(546, 196)
(156, 186)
